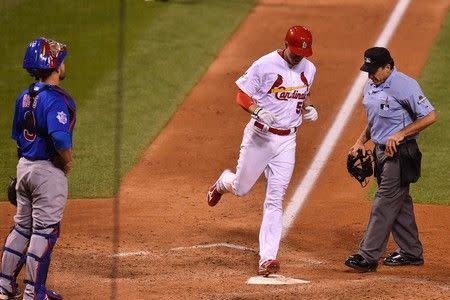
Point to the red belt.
(274, 130)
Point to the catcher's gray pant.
(392, 211)
(41, 198)
(41, 193)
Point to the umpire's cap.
(299, 41)
(43, 53)
(374, 58)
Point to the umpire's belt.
(274, 130)
(382, 147)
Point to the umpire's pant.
(392, 210)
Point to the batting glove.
(264, 116)
(312, 114)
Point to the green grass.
(168, 46)
(434, 185)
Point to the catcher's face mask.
(360, 166)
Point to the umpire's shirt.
(393, 105)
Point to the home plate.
(274, 279)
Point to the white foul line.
(306, 185)
(215, 245)
(227, 245)
(126, 254)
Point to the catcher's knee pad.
(14, 255)
(38, 259)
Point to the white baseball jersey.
(280, 89)
(277, 88)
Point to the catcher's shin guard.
(38, 261)
(14, 256)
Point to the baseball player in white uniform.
(275, 90)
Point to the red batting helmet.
(299, 41)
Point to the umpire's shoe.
(5, 295)
(396, 259)
(359, 263)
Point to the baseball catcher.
(44, 118)
(360, 166)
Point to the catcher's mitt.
(12, 196)
(360, 166)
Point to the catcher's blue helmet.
(44, 54)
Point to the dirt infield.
(163, 209)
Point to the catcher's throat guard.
(360, 166)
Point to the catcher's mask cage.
(360, 166)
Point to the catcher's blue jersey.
(54, 111)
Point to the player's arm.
(16, 129)
(363, 138)
(307, 103)
(58, 124)
(245, 101)
(309, 110)
(261, 115)
(63, 145)
(419, 125)
(412, 129)
(422, 113)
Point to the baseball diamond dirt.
(163, 209)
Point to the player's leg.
(386, 206)
(16, 244)
(48, 207)
(278, 173)
(13, 259)
(254, 155)
(255, 152)
(406, 235)
(38, 261)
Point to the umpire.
(397, 110)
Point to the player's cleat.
(270, 266)
(5, 295)
(213, 195)
(396, 259)
(52, 295)
(360, 264)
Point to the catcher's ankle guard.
(360, 166)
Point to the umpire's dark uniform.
(391, 106)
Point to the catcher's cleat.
(213, 195)
(396, 259)
(5, 295)
(270, 266)
(52, 295)
(360, 264)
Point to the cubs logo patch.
(62, 117)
